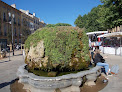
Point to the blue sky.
(56, 11)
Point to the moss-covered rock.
(57, 48)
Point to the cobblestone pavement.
(8, 70)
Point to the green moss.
(61, 45)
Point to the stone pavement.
(8, 70)
(115, 81)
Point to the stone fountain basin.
(64, 81)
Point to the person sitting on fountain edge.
(99, 61)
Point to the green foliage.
(79, 22)
(85, 49)
(50, 25)
(58, 24)
(62, 24)
(59, 43)
(89, 21)
(102, 17)
(115, 10)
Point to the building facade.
(29, 21)
(116, 29)
(23, 23)
(7, 14)
(42, 24)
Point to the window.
(34, 21)
(5, 32)
(18, 21)
(22, 21)
(4, 7)
(14, 20)
(9, 18)
(4, 16)
(19, 32)
(16, 41)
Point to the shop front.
(112, 43)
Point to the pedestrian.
(17, 47)
(100, 61)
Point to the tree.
(115, 8)
(58, 24)
(103, 14)
(92, 24)
(102, 17)
(89, 21)
(62, 24)
(50, 25)
(79, 22)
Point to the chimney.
(13, 5)
(34, 14)
(27, 12)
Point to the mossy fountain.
(51, 54)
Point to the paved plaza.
(8, 70)
(115, 81)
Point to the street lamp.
(21, 41)
(12, 29)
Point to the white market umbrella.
(115, 34)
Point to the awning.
(114, 34)
(96, 32)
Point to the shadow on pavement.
(7, 83)
(4, 61)
(18, 55)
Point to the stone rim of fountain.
(59, 81)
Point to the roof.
(114, 34)
(96, 32)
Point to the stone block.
(90, 83)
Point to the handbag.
(103, 60)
